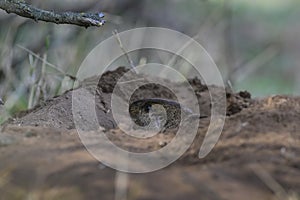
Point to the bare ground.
(257, 156)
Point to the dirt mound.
(57, 112)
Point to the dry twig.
(21, 8)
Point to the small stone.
(6, 140)
(30, 134)
(162, 143)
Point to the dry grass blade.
(116, 34)
(241, 72)
(47, 63)
(272, 184)
(121, 186)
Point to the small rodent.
(163, 113)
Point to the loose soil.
(256, 157)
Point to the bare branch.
(20, 7)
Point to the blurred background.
(255, 44)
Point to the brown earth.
(256, 157)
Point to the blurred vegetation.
(255, 44)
